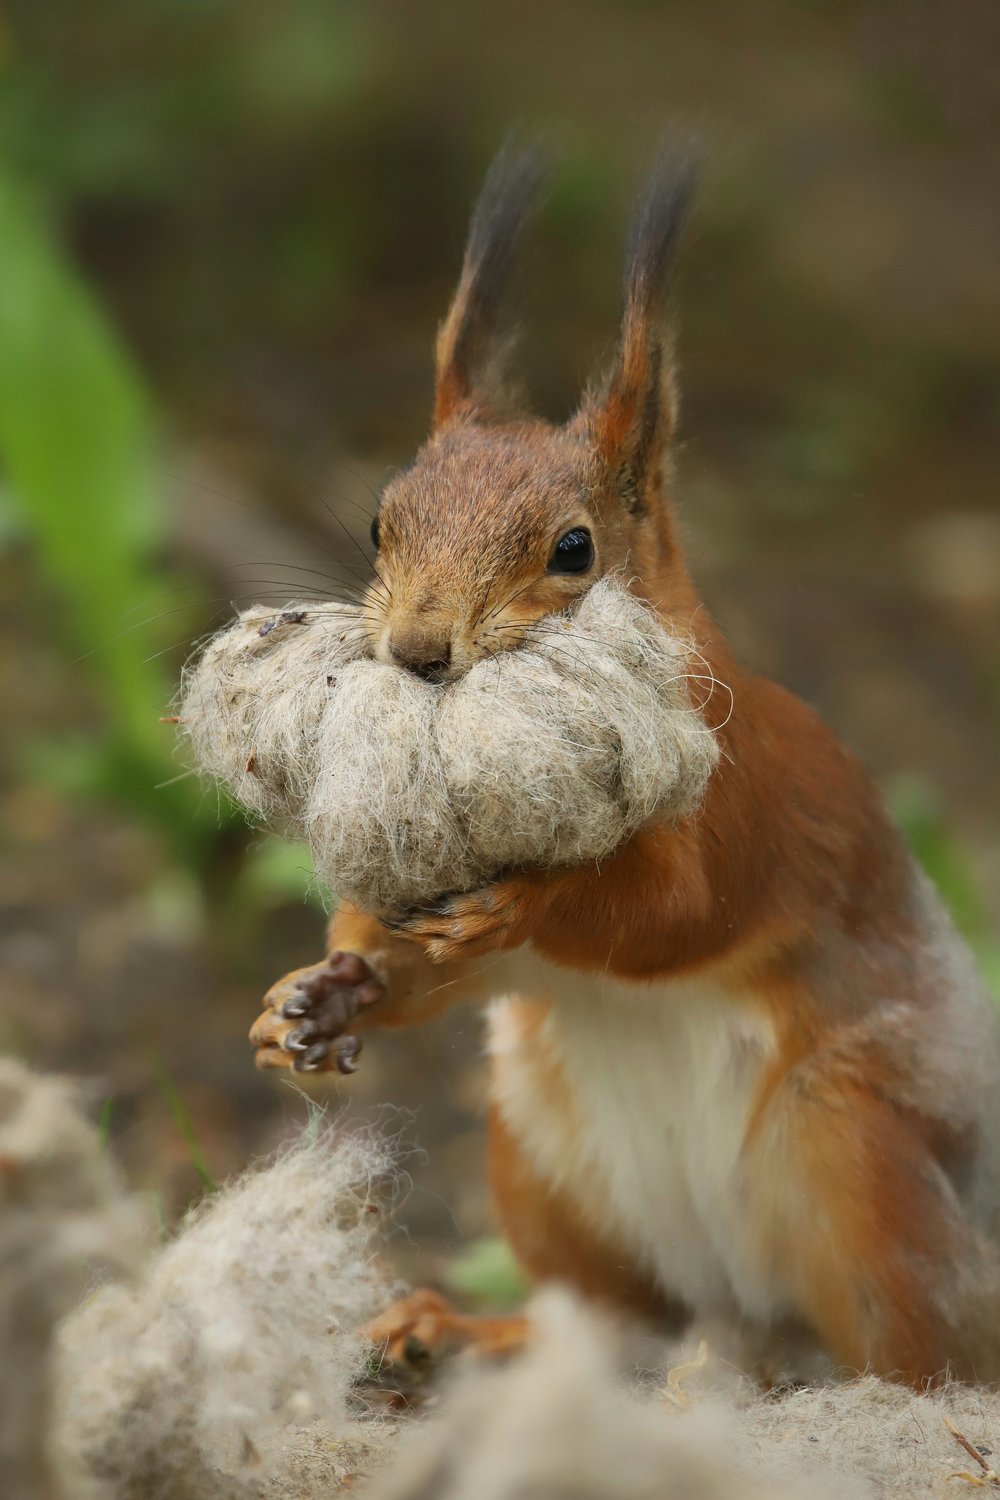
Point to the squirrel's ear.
(466, 346)
(632, 421)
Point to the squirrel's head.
(504, 519)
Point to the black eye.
(573, 553)
(375, 532)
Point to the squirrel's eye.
(573, 552)
(375, 532)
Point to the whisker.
(355, 632)
(207, 489)
(509, 600)
(355, 474)
(348, 500)
(369, 562)
(233, 600)
(256, 510)
(295, 588)
(264, 562)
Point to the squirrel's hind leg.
(415, 1331)
(857, 1215)
(553, 1242)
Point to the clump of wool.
(560, 1421)
(221, 1366)
(62, 1218)
(194, 1380)
(871, 1438)
(552, 754)
(574, 1416)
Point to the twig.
(990, 1476)
(675, 1391)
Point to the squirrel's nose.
(427, 658)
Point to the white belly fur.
(662, 1080)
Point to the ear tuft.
(635, 418)
(465, 345)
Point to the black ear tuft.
(465, 342)
(635, 417)
(658, 219)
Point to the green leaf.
(487, 1274)
(185, 1124)
(277, 870)
(76, 451)
(943, 855)
(951, 866)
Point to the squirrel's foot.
(416, 1331)
(307, 1017)
(467, 924)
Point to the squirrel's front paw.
(468, 924)
(308, 1014)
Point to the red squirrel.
(745, 1068)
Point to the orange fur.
(554, 1243)
(869, 1223)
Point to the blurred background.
(227, 232)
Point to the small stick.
(675, 1391)
(172, 719)
(990, 1476)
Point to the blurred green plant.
(277, 870)
(486, 1274)
(185, 1124)
(950, 865)
(104, 1121)
(76, 452)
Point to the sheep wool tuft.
(63, 1220)
(190, 1382)
(552, 754)
(574, 1415)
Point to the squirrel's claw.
(414, 1332)
(467, 923)
(305, 1023)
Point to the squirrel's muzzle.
(426, 655)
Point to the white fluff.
(870, 1438)
(220, 1366)
(562, 1421)
(551, 754)
(62, 1215)
(558, 1423)
(191, 1384)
